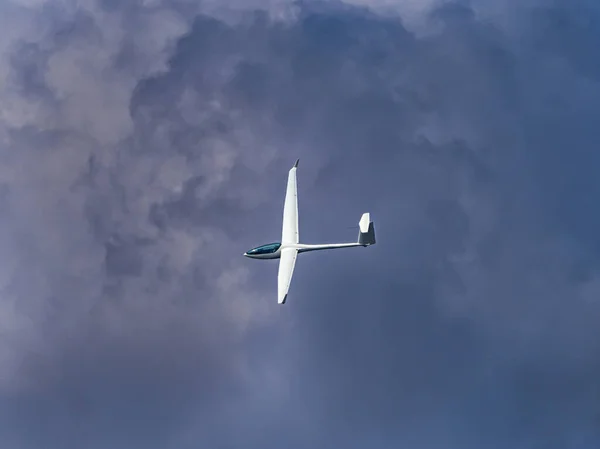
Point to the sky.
(145, 145)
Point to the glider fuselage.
(273, 250)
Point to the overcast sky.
(145, 145)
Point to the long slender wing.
(289, 233)
(287, 262)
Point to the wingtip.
(296, 163)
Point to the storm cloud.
(145, 147)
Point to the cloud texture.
(145, 145)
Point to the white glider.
(288, 249)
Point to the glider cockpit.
(268, 251)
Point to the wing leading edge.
(287, 262)
(289, 232)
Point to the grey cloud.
(130, 318)
(116, 331)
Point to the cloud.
(94, 290)
(145, 146)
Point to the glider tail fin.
(366, 235)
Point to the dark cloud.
(140, 161)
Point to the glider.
(288, 249)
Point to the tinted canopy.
(265, 249)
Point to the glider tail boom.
(366, 235)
